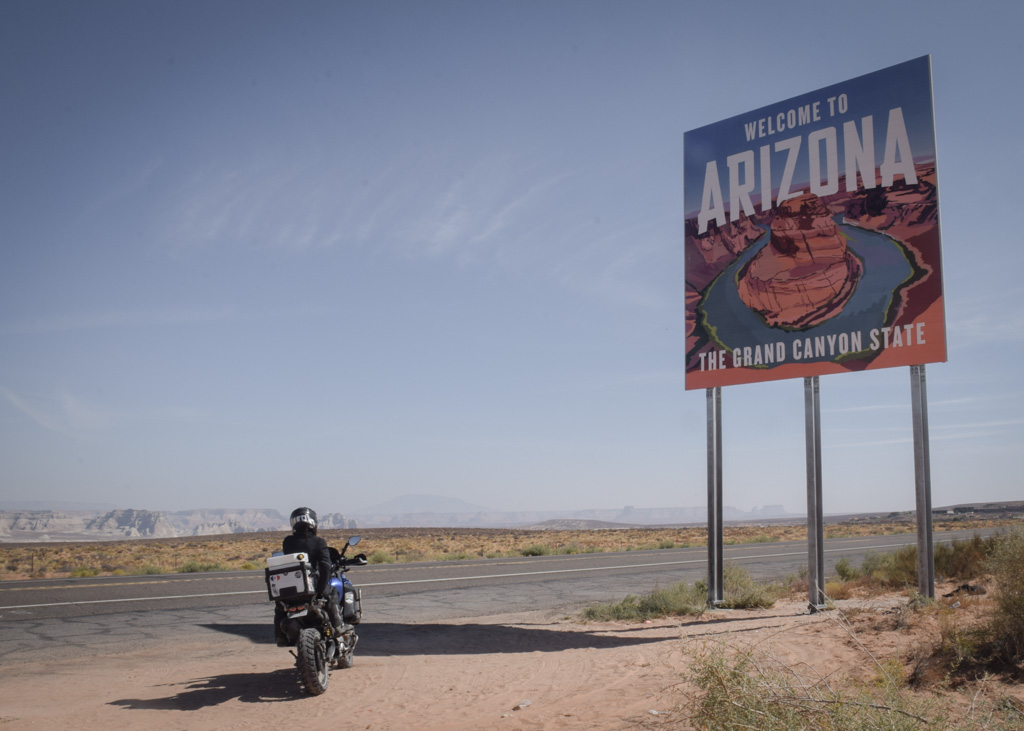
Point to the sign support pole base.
(815, 528)
(923, 484)
(715, 565)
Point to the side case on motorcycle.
(351, 606)
(289, 577)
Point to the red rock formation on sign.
(805, 275)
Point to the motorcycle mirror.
(354, 540)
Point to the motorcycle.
(302, 618)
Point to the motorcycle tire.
(311, 660)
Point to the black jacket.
(319, 556)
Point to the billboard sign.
(812, 234)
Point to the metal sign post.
(923, 484)
(815, 529)
(715, 566)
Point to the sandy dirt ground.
(526, 671)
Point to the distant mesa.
(806, 274)
(407, 511)
(56, 525)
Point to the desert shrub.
(149, 569)
(83, 572)
(957, 643)
(379, 556)
(676, 600)
(535, 550)
(846, 571)
(666, 544)
(896, 569)
(201, 567)
(1006, 565)
(998, 642)
(411, 555)
(744, 691)
(838, 589)
(457, 556)
(962, 559)
(739, 591)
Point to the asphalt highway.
(37, 615)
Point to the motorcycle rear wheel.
(311, 660)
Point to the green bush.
(1007, 567)
(897, 569)
(676, 600)
(998, 642)
(845, 570)
(739, 592)
(83, 572)
(379, 556)
(962, 559)
(535, 550)
(150, 569)
(201, 567)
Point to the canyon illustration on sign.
(812, 234)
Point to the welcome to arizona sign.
(812, 234)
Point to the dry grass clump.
(962, 669)
(742, 684)
(752, 689)
(682, 599)
(995, 642)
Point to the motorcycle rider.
(303, 539)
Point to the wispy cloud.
(658, 378)
(868, 408)
(504, 210)
(62, 413)
(965, 426)
(71, 415)
(996, 317)
(114, 318)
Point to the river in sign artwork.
(887, 268)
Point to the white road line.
(130, 599)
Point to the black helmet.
(303, 519)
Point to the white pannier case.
(290, 577)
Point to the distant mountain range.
(86, 525)
(433, 511)
(411, 511)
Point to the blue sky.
(257, 254)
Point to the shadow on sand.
(376, 640)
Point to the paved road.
(49, 616)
